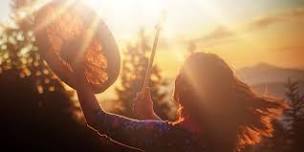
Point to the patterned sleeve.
(136, 133)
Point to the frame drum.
(68, 32)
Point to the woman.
(218, 112)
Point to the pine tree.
(133, 71)
(295, 115)
(38, 112)
(288, 133)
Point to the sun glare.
(132, 13)
(152, 6)
(148, 8)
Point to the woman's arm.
(88, 103)
(140, 134)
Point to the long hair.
(207, 81)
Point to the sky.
(243, 32)
(4, 7)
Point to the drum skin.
(68, 33)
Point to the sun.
(93, 3)
(137, 10)
(151, 6)
(126, 17)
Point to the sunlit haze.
(244, 35)
(255, 31)
(243, 32)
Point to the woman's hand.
(143, 105)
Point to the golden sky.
(244, 32)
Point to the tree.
(295, 115)
(37, 111)
(288, 132)
(133, 71)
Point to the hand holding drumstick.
(143, 105)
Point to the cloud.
(222, 32)
(266, 21)
(219, 33)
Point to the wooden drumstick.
(152, 56)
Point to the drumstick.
(152, 56)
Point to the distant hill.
(267, 79)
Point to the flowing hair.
(252, 114)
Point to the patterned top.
(149, 135)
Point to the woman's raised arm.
(88, 103)
(139, 134)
